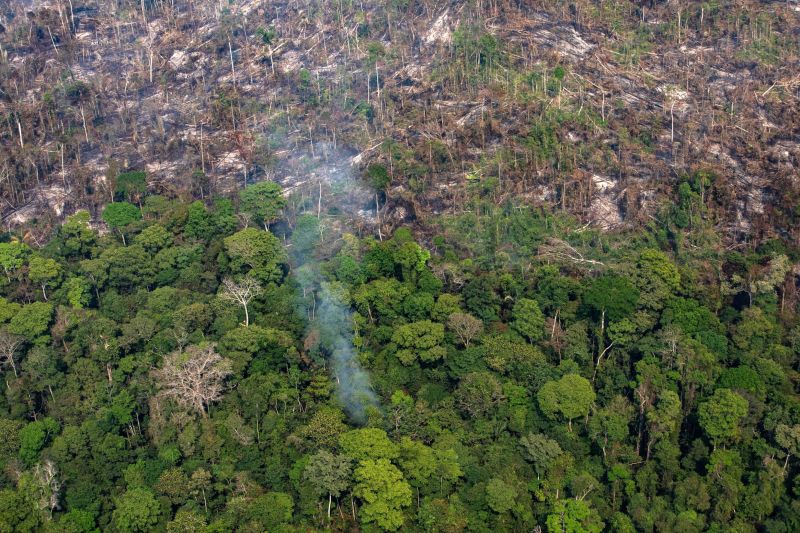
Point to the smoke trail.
(330, 315)
(335, 322)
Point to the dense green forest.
(526, 373)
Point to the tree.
(119, 214)
(328, 474)
(465, 326)
(34, 437)
(478, 393)
(570, 397)
(187, 521)
(384, 493)
(75, 235)
(194, 378)
(720, 415)
(500, 495)
(528, 319)
(241, 292)
(136, 510)
(9, 344)
(131, 186)
(368, 443)
(541, 451)
(612, 297)
(32, 321)
(17, 512)
(258, 253)
(419, 339)
(609, 424)
(664, 419)
(43, 271)
(271, 510)
(12, 256)
(788, 438)
(573, 516)
(154, 238)
(263, 201)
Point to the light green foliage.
(154, 238)
(43, 271)
(500, 495)
(528, 319)
(609, 424)
(125, 267)
(17, 513)
(443, 515)
(8, 310)
(75, 235)
(570, 397)
(136, 511)
(412, 258)
(256, 251)
(120, 214)
(720, 415)
(78, 521)
(573, 516)
(187, 521)
(788, 438)
(656, 277)
(35, 436)
(368, 443)
(32, 320)
(383, 492)
(328, 474)
(78, 291)
(419, 340)
(270, 510)
(417, 461)
(326, 427)
(381, 299)
(12, 256)
(263, 201)
(446, 305)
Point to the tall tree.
(570, 397)
(119, 215)
(328, 474)
(383, 492)
(194, 378)
(263, 201)
(720, 415)
(241, 292)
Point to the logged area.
(404, 265)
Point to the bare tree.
(465, 326)
(241, 292)
(9, 343)
(194, 378)
(47, 485)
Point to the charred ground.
(599, 109)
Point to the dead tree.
(9, 343)
(465, 326)
(194, 378)
(241, 292)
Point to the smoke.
(335, 323)
(332, 202)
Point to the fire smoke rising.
(329, 308)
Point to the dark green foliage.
(513, 391)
